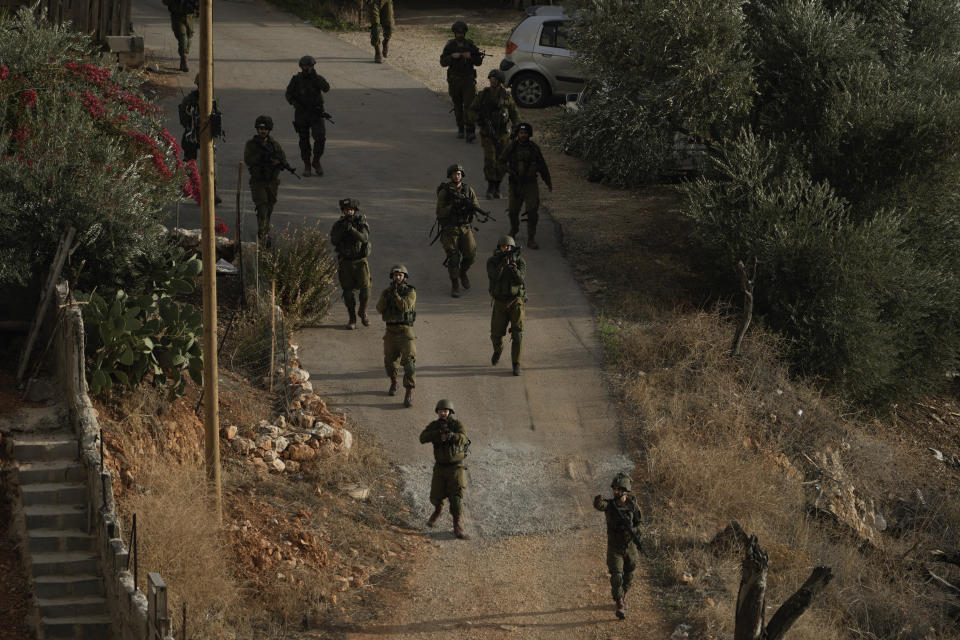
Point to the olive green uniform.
(622, 553)
(350, 236)
(305, 92)
(493, 112)
(508, 290)
(189, 114)
(380, 16)
(181, 21)
(397, 306)
(456, 234)
(461, 78)
(449, 473)
(260, 156)
(523, 161)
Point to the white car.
(538, 64)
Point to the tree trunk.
(746, 284)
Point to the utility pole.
(211, 393)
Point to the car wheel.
(530, 90)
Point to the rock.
(272, 431)
(305, 420)
(292, 466)
(264, 442)
(260, 465)
(300, 452)
(277, 465)
(244, 445)
(297, 376)
(357, 492)
(269, 456)
(281, 422)
(710, 602)
(280, 444)
(322, 431)
(686, 578)
(229, 432)
(347, 441)
(302, 388)
(682, 632)
(300, 438)
(314, 443)
(836, 497)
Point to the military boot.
(306, 170)
(435, 515)
(317, 167)
(352, 322)
(378, 54)
(408, 397)
(460, 132)
(531, 236)
(490, 184)
(392, 391)
(386, 46)
(464, 280)
(495, 358)
(516, 368)
(183, 62)
(454, 288)
(458, 528)
(364, 318)
(621, 609)
(496, 189)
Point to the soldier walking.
(456, 201)
(398, 308)
(493, 110)
(450, 447)
(182, 13)
(350, 237)
(523, 160)
(305, 92)
(264, 158)
(380, 15)
(623, 518)
(189, 113)
(507, 270)
(461, 57)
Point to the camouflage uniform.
(522, 161)
(305, 92)
(397, 306)
(456, 234)
(350, 236)
(508, 290)
(380, 16)
(622, 553)
(493, 112)
(259, 155)
(449, 473)
(461, 80)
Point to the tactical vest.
(461, 211)
(450, 452)
(393, 316)
(461, 67)
(523, 162)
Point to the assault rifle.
(462, 206)
(270, 155)
(629, 526)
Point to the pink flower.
(28, 98)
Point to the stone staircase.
(64, 561)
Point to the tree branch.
(746, 284)
(796, 604)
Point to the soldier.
(523, 160)
(350, 236)
(189, 112)
(182, 13)
(623, 518)
(461, 56)
(305, 92)
(397, 305)
(493, 109)
(456, 201)
(507, 270)
(380, 14)
(264, 158)
(450, 448)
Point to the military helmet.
(496, 73)
(525, 126)
(307, 61)
(621, 481)
(445, 404)
(455, 167)
(350, 203)
(398, 267)
(506, 240)
(459, 27)
(264, 121)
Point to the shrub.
(301, 262)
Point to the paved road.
(543, 443)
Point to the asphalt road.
(543, 443)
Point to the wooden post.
(158, 623)
(240, 228)
(273, 327)
(209, 253)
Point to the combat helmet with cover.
(455, 167)
(307, 61)
(459, 27)
(445, 404)
(264, 121)
(499, 75)
(399, 268)
(350, 203)
(621, 481)
(506, 241)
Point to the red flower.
(192, 187)
(21, 134)
(173, 144)
(220, 226)
(28, 98)
(93, 105)
(4, 73)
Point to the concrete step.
(65, 563)
(37, 447)
(56, 516)
(48, 540)
(54, 493)
(56, 471)
(68, 586)
(72, 606)
(77, 628)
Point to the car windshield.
(554, 34)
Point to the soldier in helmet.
(398, 308)
(264, 158)
(305, 92)
(493, 110)
(523, 160)
(182, 13)
(455, 217)
(623, 516)
(380, 15)
(189, 112)
(507, 270)
(350, 237)
(450, 447)
(461, 57)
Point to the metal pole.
(209, 254)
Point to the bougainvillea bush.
(80, 145)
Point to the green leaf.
(126, 356)
(121, 377)
(180, 286)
